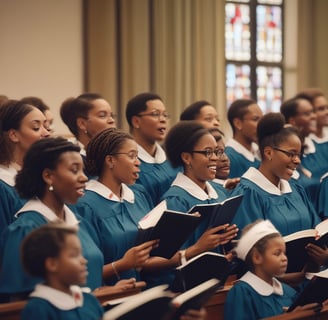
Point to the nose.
(84, 260)
(45, 132)
(137, 161)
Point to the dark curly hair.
(43, 154)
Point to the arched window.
(254, 52)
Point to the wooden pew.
(214, 308)
(12, 310)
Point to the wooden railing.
(214, 308)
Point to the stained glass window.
(254, 52)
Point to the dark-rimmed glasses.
(291, 154)
(208, 153)
(133, 155)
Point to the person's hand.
(126, 284)
(136, 256)
(317, 254)
(309, 306)
(211, 238)
(231, 184)
(194, 314)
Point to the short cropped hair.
(193, 110)
(238, 109)
(138, 104)
(44, 242)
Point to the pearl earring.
(51, 188)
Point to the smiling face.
(198, 167)
(124, 164)
(68, 179)
(70, 267)
(273, 262)
(223, 162)
(208, 117)
(151, 124)
(279, 164)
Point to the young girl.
(258, 294)
(53, 252)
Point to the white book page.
(153, 216)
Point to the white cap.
(254, 234)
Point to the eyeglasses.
(156, 115)
(291, 154)
(208, 153)
(133, 155)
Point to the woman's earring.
(51, 188)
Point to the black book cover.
(203, 267)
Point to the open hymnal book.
(162, 304)
(220, 213)
(200, 268)
(297, 241)
(172, 228)
(314, 291)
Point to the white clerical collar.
(192, 188)
(262, 287)
(59, 299)
(159, 157)
(309, 146)
(259, 179)
(317, 139)
(249, 155)
(46, 212)
(8, 174)
(96, 186)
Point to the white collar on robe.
(160, 155)
(317, 139)
(249, 155)
(219, 181)
(259, 179)
(59, 299)
(262, 287)
(105, 192)
(192, 188)
(310, 147)
(8, 174)
(324, 176)
(46, 212)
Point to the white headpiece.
(256, 233)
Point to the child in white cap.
(258, 294)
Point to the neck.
(149, 145)
(18, 157)
(264, 276)
(200, 183)
(268, 174)
(244, 142)
(52, 282)
(53, 203)
(110, 182)
(319, 132)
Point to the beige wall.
(172, 47)
(41, 51)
